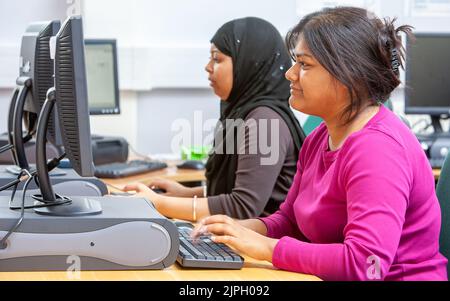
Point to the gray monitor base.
(67, 175)
(129, 234)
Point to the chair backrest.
(443, 193)
(312, 122)
(389, 105)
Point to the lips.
(296, 90)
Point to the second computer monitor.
(428, 75)
(102, 76)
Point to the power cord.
(52, 164)
(26, 139)
(31, 176)
(6, 148)
(3, 242)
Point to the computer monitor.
(428, 77)
(102, 76)
(71, 99)
(36, 77)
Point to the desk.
(437, 174)
(170, 173)
(253, 271)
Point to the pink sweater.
(368, 211)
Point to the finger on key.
(197, 230)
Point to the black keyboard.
(126, 169)
(204, 253)
(437, 163)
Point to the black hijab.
(260, 60)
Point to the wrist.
(194, 191)
(271, 245)
(157, 200)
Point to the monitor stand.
(76, 185)
(128, 234)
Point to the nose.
(208, 67)
(292, 74)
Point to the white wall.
(163, 46)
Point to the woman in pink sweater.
(363, 204)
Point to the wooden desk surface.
(170, 173)
(253, 271)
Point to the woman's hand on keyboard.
(228, 231)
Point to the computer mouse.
(196, 165)
(159, 190)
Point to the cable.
(52, 164)
(3, 244)
(144, 157)
(6, 148)
(13, 183)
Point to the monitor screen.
(427, 74)
(101, 68)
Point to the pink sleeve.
(376, 177)
(282, 223)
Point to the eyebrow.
(302, 54)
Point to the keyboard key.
(185, 253)
(191, 249)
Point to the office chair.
(312, 122)
(443, 193)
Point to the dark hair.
(361, 51)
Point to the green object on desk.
(195, 152)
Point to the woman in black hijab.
(246, 70)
